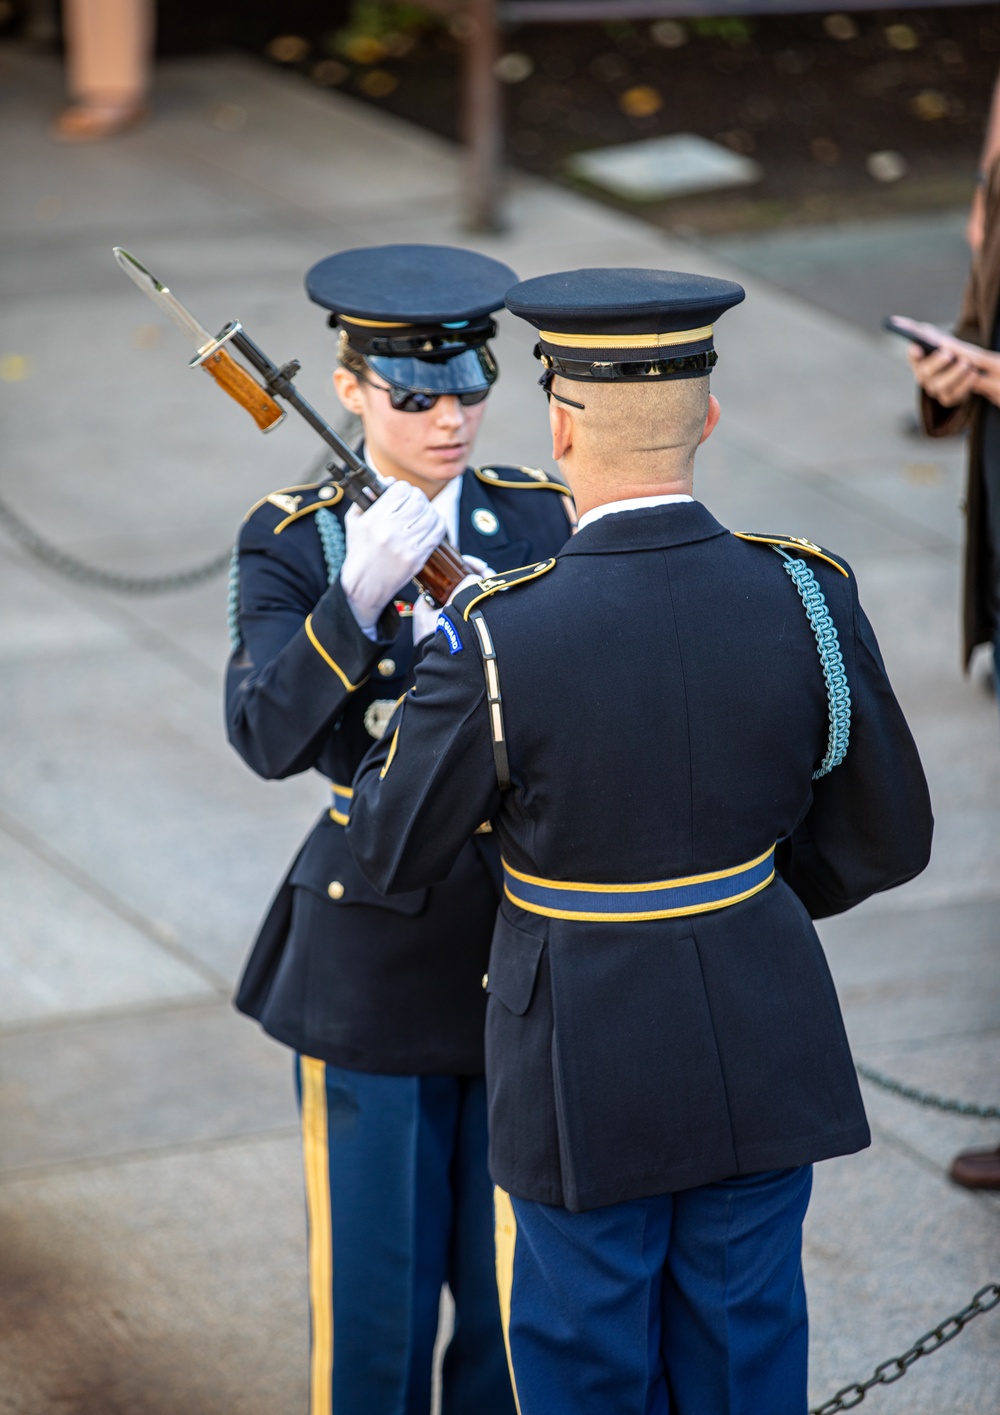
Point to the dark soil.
(810, 107)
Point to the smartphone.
(928, 336)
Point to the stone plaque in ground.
(663, 167)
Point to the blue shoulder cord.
(331, 535)
(837, 688)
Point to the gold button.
(486, 979)
(335, 889)
(387, 667)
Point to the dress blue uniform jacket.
(338, 971)
(664, 711)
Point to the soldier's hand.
(386, 546)
(425, 615)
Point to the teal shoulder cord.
(837, 688)
(233, 602)
(331, 535)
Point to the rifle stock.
(235, 381)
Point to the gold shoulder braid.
(798, 543)
(531, 478)
(296, 501)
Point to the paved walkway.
(151, 1232)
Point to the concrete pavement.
(151, 1230)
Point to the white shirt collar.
(634, 503)
(446, 503)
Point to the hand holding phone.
(960, 371)
(928, 336)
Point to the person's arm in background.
(948, 383)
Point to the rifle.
(360, 484)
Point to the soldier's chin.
(444, 466)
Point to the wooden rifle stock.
(235, 381)
(443, 573)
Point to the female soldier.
(381, 997)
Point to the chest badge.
(377, 715)
(485, 522)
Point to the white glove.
(425, 615)
(386, 546)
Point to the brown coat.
(976, 322)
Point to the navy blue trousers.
(685, 1304)
(399, 1202)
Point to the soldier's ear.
(348, 390)
(561, 423)
(711, 418)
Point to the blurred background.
(151, 1217)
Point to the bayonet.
(444, 570)
(212, 355)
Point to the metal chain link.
(50, 555)
(913, 1093)
(73, 569)
(896, 1367)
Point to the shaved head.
(637, 422)
(629, 439)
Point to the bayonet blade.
(163, 299)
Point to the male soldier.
(380, 998)
(678, 779)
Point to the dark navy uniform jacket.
(338, 971)
(664, 711)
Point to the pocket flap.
(514, 959)
(327, 868)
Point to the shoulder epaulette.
(293, 502)
(520, 479)
(468, 599)
(798, 543)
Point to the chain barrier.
(928, 1098)
(54, 558)
(71, 568)
(896, 1367)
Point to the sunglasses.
(406, 400)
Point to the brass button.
(486, 979)
(387, 667)
(335, 889)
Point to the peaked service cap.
(610, 323)
(419, 315)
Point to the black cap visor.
(472, 371)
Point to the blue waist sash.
(628, 903)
